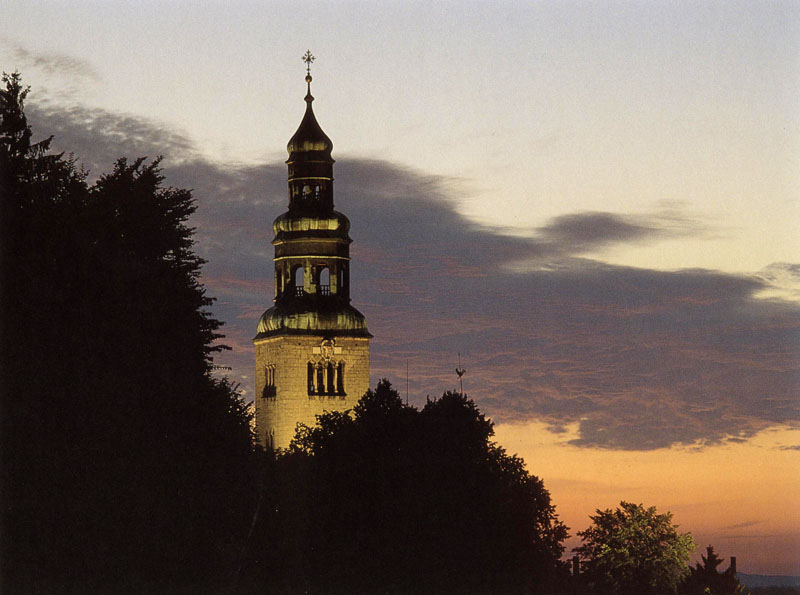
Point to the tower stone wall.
(284, 399)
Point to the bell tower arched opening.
(324, 285)
(298, 278)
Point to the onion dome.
(310, 166)
(310, 142)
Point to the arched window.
(324, 281)
(340, 379)
(299, 279)
(311, 390)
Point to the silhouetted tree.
(125, 462)
(390, 499)
(705, 579)
(634, 550)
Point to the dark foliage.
(633, 550)
(124, 460)
(705, 579)
(395, 500)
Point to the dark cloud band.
(637, 358)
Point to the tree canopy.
(634, 550)
(392, 499)
(124, 460)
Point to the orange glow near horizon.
(737, 497)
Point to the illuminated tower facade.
(312, 346)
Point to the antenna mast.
(406, 381)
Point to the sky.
(595, 204)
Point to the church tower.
(312, 346)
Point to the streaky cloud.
(54, 63)
(744, 525)
(578, 233)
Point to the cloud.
(639, 359)
(53, 63)
(743, 525)
(783, 280)
(579, 233)
(98, 137)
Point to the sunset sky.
(596, 204)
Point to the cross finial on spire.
(308, 58)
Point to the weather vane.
(308, 58)
(460, 371)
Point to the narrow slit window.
(340, 379)
(320, 380)
(311, 390)
(331, 381)
(269, 381)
